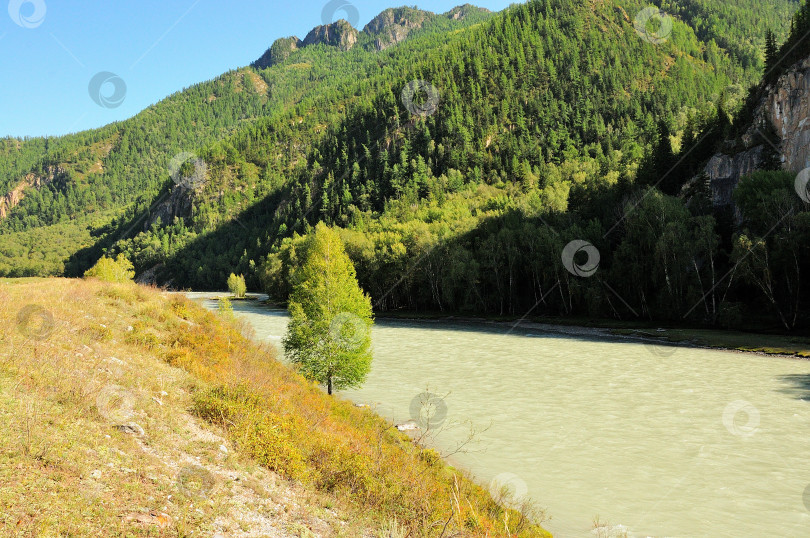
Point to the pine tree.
(664, 161)
(771, 57)
(329, 335)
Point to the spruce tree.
(771, 58)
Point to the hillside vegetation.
(459, 164)
(121, 172)
(130, 411)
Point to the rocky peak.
(389, 28)
(459, 13)
(278, 52)
(392, 26)
(339, 34)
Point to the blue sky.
(51, 50)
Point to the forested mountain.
(459, 153)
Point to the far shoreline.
(776, 345)
(771, 345)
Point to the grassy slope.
(297, 461)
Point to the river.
(654, 441)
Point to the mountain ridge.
(390, 27)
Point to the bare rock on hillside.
(339, 34)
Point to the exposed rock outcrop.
(150, 276)
(339, 34)
(13, 198)
(459, 13)
(178, 204)
(785, 109)
(392, 26)
(389, 28)
(279, 52)
(726, 170)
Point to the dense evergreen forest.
(551, 122)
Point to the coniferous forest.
(459, 166)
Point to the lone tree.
(329, 335)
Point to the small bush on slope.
(118, 270)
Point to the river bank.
(771, 344)
(780, 345)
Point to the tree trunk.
(329, 385)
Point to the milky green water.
(677, 442)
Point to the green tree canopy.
(236, 285)
(118, 270)
(329, 335)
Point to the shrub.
(118, 270)
(224, 306)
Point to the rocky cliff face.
(15, 196)
(726, 170)
(178, 204)
(785, 107)
(339, 34)
(392, 26)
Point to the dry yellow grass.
(128, 411)
(67, 469)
